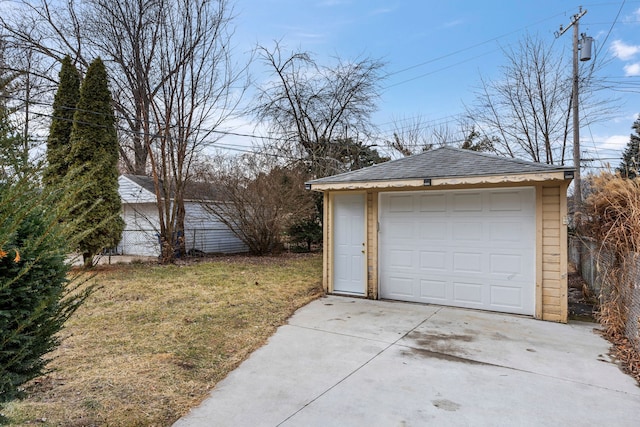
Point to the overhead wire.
(441, 57)
(615, 20)
(130, 131)
(493, 39)
(214, 144)
(436, 122)
(218, 144)
(622, 89)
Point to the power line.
(440, 69)
(620, 89)
(251, 150)
(129, 131)
(411, 67)
(476, 45)
(610, 29)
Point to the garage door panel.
(468, 293)
(472, 249)
(434, 261)
(401, 203)
(401, 287)
(401, 258)
(466, 262)
(433, 203)
(467, 202)
(506, 231)
(506, 296)
(507, 201)
(507, 264)
(466, 231)
(433, 289)
(435, 230)
(401, 230)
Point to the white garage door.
(461, 248)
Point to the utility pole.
(586, 55)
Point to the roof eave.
(556, 175)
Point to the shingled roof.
(194, 190)
(145, 182)
(444, 162)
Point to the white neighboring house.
(203, 231)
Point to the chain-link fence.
(597, 266)
(146, 242)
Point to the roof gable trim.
(435, 182)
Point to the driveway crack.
(361, 366)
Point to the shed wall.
(139, 234)
(130, 192)
(554, 253)
(372, 244)
(203, 232)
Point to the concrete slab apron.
(351, 362)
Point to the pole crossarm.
(574, 21)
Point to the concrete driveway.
(352, 362)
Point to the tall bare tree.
(129, 32)
(311, 107)
(173, 79)
(200, 90)
(26, 89)
(526, 110)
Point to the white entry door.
(465, 248)
(349, 244)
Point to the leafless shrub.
(258, 199)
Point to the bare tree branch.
(258, 199)
(309, 107)
(173, 79)
(526, 111)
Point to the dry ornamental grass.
(612, 218)
(153, 340)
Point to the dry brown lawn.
(153, 340)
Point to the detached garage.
(450, 227)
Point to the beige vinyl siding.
(372, 244)
(554, 278)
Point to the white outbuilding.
(204, 233)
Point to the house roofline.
(557, 175)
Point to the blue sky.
(436, 51)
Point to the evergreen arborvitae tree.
(64, 107)
(94, 148)
(630, 165)
(37, 294)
